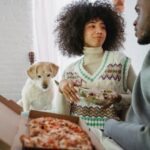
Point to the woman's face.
(94, 33)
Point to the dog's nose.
(45, 86)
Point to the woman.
(96, 31)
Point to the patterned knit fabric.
(93, 116)
(111, 74)
(97, 122)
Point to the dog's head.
(41, 74)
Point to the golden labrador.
(38, 90)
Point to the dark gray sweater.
(134, 134)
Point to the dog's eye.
(48, 75)
(39, 76)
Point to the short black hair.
(72, 19)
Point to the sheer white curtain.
(44, 16)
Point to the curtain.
(44, 19)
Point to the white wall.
(135, 51)
(15, 42)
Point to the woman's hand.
(68, 89)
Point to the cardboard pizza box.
(10, 117)
(35, 114)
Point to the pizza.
(98, 96)
(54, 133)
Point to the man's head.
(142, 22)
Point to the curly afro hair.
(71, 22)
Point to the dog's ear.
(32, 71)
(53, 69)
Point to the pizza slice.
(102, 97)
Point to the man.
(134, 134)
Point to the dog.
(38, 91)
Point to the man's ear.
(53, 69)
(32, 71)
